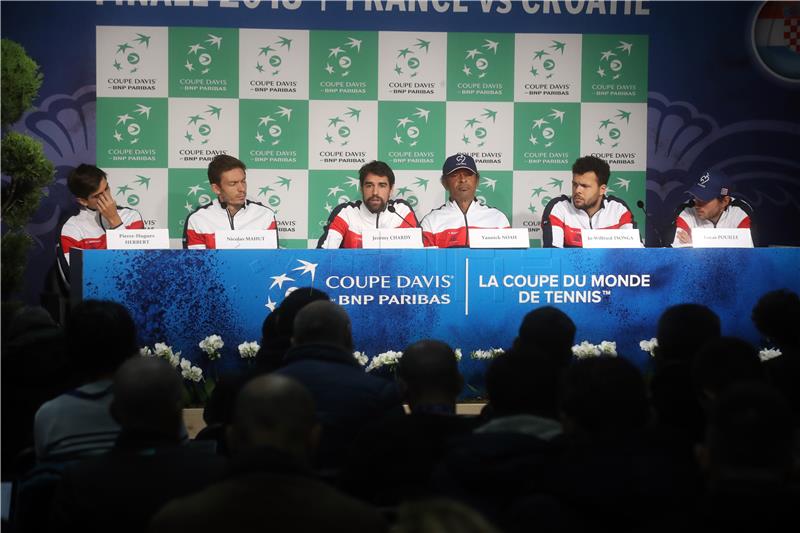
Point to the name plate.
(499, 238)
(254, 239)
(722, 238)
(137, 239)
(611, 238)
(392, 238)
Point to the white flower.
(144, 351)
(361, 357)
(769, 353)
(457, 351)
(173, 359)
(211, 345)
(491, 353)
(649, 346)
(191, 373)
(586, 349)
(608, 348)
(389, 358)
(185, 364)
(248, 350)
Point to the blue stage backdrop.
(722, 84)
(473, 299)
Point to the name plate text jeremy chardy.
(392, 238)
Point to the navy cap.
(711, 184)
(457, 161)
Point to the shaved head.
(148, 396)
(323, 322)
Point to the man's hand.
(684, 237)
(108, 208)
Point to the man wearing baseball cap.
(711, 206)
(448, 226)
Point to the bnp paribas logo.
(341, 193)
(612, 61)
(478, 59)
(270, 58)
(128, 195)
(271, 194)
(128, 56)
(270, 127)
(545, 129)
(130, 127)
(285, 283)
(478, 129)
(201, 55)
(545, 61)
(541, 194)
(200, 126)
(341, 58)
(409, 129)
(411, 193)
(341, 127)
(611, 130)
(410, 59)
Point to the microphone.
(392, 209)
(654, 225)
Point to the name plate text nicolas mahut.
(265, 239)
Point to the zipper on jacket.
(230, 218)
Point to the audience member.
(101, 335)
(270, 484)
(429, 382)
(721, 363)
(440, 516)
(148, 466)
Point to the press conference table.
(473, 299)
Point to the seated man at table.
(348, 221)
(711, 206)
(588, 208)
(99, 212)
(230, 211)
(448, 226)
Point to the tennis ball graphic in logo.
(200, 57)
(270, 129)
(340, 58)
(199, 126)
(128, 56)
(409, 59)
(128, 128)
(478, 59)
(477, 129)
(544, 130)
(610, 131)
(611, 61)
(545, 60)
(409, 130)
(272, 57)
(340, 127)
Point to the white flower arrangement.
(163, 351)
(211, 345)
(190, 372)
(769, 353)
(361, 358)
(457, 351)
(390, 358)
(587, 349)
(649, 346)
(487, 355)
(248, 350)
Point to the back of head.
(749, 433)
(440, 516)
(524, 381)
(548, 329)
(277, 411)
(722, 362)
(603, 396)
(323, 322)
(683, 329)
(101, 335)
(776, 315)
(148, 396)
(292, 304)
(84, 180)
(430, 367)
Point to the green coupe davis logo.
(199, 127)
(201, 55)
(128, 56)
(270, 58)
(545, 61)
(477, 129)
(477, 60)
(340, 128)
(340, 59)
(410, 59)
(128, 130)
